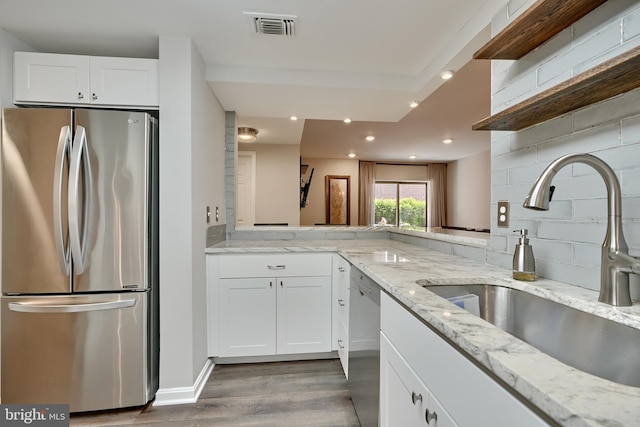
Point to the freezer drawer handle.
(70, 308)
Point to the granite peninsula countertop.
(566, 395)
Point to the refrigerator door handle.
(63, 153)
(25, 307)
(79, 219)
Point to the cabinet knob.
(430, 416)
(340, 345)
(416, 397)
(341, 269)
(341, 303)
(80, 95)
(271, 284)
(94, 96)
(281, 284)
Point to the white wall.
(315, 211)
(191, 177)
(8, 45)
(469, 191)
(400, 172)
(566, 240)
(277, 182)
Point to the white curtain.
(365, 192)
(436, 205)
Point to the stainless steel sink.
(584, 341)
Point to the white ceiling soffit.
(332, 94)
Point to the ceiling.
(363, 59)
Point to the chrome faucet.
(616, 264)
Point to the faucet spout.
(616, 264)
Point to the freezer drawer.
(90, 351)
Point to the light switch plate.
(503, 213)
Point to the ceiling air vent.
(267, 23)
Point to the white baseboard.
(184, 395)
(275, 358)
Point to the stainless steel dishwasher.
(364, 347)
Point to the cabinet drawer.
(274, 265)
(460, 386)
(342, 343)
(342, 305)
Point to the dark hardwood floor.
(306, 393)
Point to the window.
(403, 204)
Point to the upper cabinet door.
(50, 78)
(124, 81)
(53, 79)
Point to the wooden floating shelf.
(533, 27)
(613, 77)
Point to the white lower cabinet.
(415, 359)
(274, 315)
(267, 316)
(341, 272)
(247, 317)
(406, 400)
(303, 315)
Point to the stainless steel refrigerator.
(79, 306)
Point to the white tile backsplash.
(631, 25)
(567, 239)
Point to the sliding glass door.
(401, 204)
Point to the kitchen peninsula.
(560, 394)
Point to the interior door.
(246, 193)
(34, 260)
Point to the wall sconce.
(246, 134)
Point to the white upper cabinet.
(50, 78)
(46, 78)
(124, 81)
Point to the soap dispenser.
(524, 264)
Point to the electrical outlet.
(503, 213)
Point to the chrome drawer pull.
(430, 416)
(277, 267)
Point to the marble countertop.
(566, 395)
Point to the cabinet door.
(404, 399)
(304, 315)
(124, 81)
(46, 78)
(247, 317)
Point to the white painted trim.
(275, 358)
(184, 395)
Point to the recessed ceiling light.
(414, 104)
(446, 75)
(370, 138)
(352, 155)
(293, 118)
(413, 157)
(347, 120)
(447, 141)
